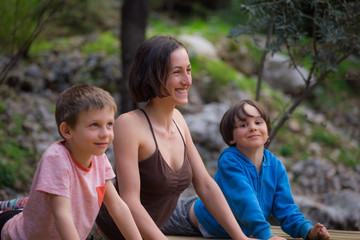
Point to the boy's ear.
(64, 129)
(232, 142)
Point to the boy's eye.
(110, 124)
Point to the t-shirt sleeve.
(53, 175)
(109, 172)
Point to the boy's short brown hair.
(81, 98)
(237, 111)
(151, 66)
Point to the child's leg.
(95, 233)
(5, 216)
(13, 204)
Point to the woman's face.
(179, 80)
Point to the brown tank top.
(159, 191)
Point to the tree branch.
(263, 58)
(301, 98)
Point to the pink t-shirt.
(58, 173)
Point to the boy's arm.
(286, 211)
(64, 223)
(120, 212)
(237, 187)
(210, 193)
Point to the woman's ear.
(65, 130)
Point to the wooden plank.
(334, 235)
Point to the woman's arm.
(128, 131)
(120, 213)
(64, 223)
(208, 190)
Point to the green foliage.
(17, 120)
(219, 75)
(212, 29)
(319, 34)
(7, 174)
(13, 151)
(321, 135)
(17, 21)
(337, 31)
(105, 42)
(15, 168)
(2, 107)
(22, 19)
(350, 157)
(287, 150)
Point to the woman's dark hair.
(228, 121)
(151, 67)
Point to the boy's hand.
(318, 232)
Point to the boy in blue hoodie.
(253, 180)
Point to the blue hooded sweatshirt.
(253, 197)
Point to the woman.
(155, 156)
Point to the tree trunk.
(133, 28)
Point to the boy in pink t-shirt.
(73, 176)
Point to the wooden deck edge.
(334, 235)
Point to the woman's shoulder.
(178, 117)
(133, 117)
(129, 122)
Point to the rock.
(199, 45)
(279, 74)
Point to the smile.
(182, 91)
(254, 136)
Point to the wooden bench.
(334, 235)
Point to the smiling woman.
(155, 157)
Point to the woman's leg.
(179, 222)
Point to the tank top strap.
(151, 128)
(179, 132)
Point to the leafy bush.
(214, 75)
(7, 174)
(106, 42)
(287, 150)
(322, 136)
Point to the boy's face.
(92, 134)
(251, 133)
